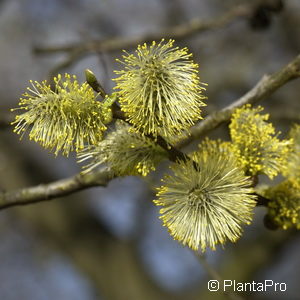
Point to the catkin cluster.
(209, 196)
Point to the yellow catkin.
(65, 119)
(255, 143)
(284, 204)
(292, 169)
(126, 152)
(206, 200)
(159, 89)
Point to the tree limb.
(63, 187)
(264, 88)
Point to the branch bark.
(56, 189)
(195, 26)
(177, 32)
(265, 87)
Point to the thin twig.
(177, 32)
(216, 276)
(173, 153)
(195, 26)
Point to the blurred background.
(108, 243)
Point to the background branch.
(195, 26)
(177, 32)
(216, 276)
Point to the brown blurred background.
(108, 243)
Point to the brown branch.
(261, 200)
(73, 57)
(195, 26)
(177, 32)
(265, 87)
(173, 153)
(56, 189)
